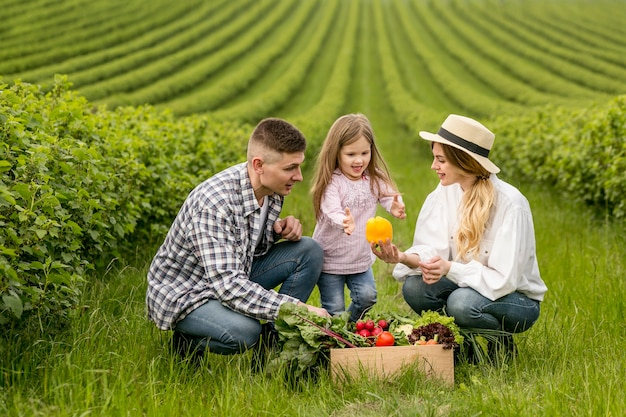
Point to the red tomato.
(385, 339)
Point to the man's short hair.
(275, 136)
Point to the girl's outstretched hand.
(397, 208)
(348, 222)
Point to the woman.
(473, 253)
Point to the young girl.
(351, 179)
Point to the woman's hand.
(434, 269)
(386, 251)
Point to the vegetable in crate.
(385, 339)
(371, 328)
(431, 323)
(433, 333)
(306, 338)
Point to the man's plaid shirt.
(208, 252)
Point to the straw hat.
(467, 135)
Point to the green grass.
(112, 361)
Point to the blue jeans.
(362, 292)
(513, 313)
(295, 266)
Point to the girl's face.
(354, 158)
(448, 173)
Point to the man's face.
(280, 176)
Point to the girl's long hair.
(476, 205)
(347, 129)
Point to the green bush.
(581, 153)
(80, 186)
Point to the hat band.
(472, 147)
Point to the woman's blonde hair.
(346, 130)
(476, 205)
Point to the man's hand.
(317, 310)
(289, 228)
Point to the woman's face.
(354, 158)
(448, 173)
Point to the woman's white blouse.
(507, 260)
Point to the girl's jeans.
(362, 292)
(513, 313)
(295, 266)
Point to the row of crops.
(244, 59)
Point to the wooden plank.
(433, 360)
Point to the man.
(213, 278)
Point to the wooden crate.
(432, 360)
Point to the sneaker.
(269, 336)
(267, 344)
(466, 353)
(503, 348)
(185, 346)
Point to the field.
(304, 59)
(406, 64)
